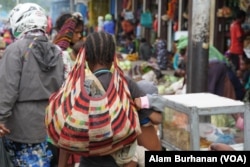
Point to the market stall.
(182, 130)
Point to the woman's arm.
(63, 158)
(220, 147)
(156, 118)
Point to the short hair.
(240, 14)
(100, 48)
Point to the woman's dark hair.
(100, 48)
(240, 14)
(61, 20)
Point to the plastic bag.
(209, 131)
(4, 157)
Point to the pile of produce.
(170, 85)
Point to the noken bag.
(87, 125)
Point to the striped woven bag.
(87, 125)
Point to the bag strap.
(86, 74)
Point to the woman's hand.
(220, 147)
(138, 103)
(3, 130)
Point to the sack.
(146, 19)
(87, 125)
(4, 157)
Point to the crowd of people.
(33, 67)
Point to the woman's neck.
(98, 67)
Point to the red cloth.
(74, 158)
(236, 32)
(124, 4)
(155, 25)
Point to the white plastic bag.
(209, 131)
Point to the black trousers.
(55, 153)
(235, 60)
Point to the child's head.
(240, 15)
(100, 49)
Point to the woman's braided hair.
(100, 48)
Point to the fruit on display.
(125, 65)
(161, 89)
(170, 85)
(132, 57)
